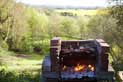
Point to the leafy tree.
(102, 27)
(38, 23)
(6, 21)
(19, 31)
(83, 29)
(69, 27)
(54, 26)
(117, 13)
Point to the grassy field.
(78, 12)
(16, 67)
(21, 62)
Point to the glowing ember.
(89, 66)
(64, 67)
(92, 68)
(78, 71)
(79, 67)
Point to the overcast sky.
(66, 2)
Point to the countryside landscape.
(26, 31)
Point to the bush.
(5, 52)
(4, 45)
(41, 47)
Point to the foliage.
(6, 21)
(117, 13)
(4, 52)
(102, 27)
(82, 23)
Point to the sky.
(75, 3)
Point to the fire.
(64, 67)
(91, 67)
(83, 67)
(79, 67)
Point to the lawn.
(15, 67)
(21, 62)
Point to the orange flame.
(79, 67)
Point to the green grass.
(78, 12)
(21, 62)
(16, 67)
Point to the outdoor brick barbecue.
(77, 61)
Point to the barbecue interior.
(77, 60)
(78, 63)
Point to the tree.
(69, 27)
(6, 21)
(102, 27)
(117, 13)
(83, 29)
(54, 26)
(38, 23)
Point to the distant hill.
(65, 7)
